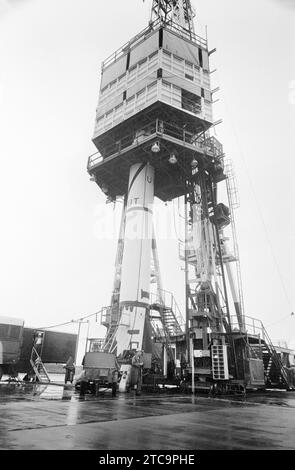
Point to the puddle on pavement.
(270, 397)
(25, 391)
(29, 391)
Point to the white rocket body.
(136, 263)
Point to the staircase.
(109, 343)
(168, 318)
(275, 359)
(38, 367)
(261, 345)
(109, 319)
(167, 324)
(169, 313)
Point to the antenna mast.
(177, 13)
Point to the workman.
(113, 380)
(70, 370)
(136, 372)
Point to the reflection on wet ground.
(58, 391)
(48, 416)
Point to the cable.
(282, 318)
(72, 321)
(259, 210)
(55, 326)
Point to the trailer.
(54, 348)
(11, 337)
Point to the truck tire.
(1, 372)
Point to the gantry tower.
(152, 133)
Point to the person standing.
(113, 380)
(136, 372)
(70, 370)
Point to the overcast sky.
(54, 265)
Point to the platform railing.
(252, 326)
(202, 143)
(166, 299)
(94, 159)
(141, 36)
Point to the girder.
(177, 12)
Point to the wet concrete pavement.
(54, 417)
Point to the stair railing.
(37, 364)
(276, 357)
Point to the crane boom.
(174, 12)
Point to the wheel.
(1, 372)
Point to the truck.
(100, 369)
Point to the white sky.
(53, 266)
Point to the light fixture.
(173, 160)
(156, 147)
(194, 163)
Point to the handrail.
(35, 363)
(208, 145)
(93, 159)
(277, 358)
(151, 28)
(252, 325)
(167, 300)
(259, 330)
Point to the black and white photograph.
(147, 268)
